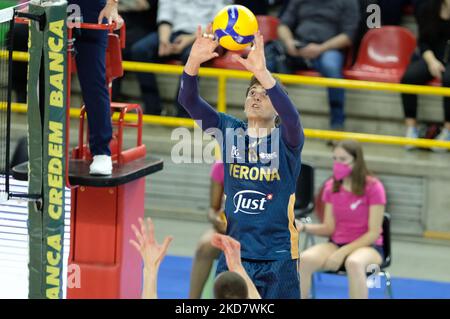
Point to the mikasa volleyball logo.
(250, 202)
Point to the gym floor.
(411, 257)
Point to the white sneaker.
(443, 136)
(411, 132)
(101, 165)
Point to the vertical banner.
(46, 227)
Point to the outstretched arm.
(291, 129)
(202, 50)
(232, 251)
(152, 254)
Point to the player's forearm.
(252, 291)
(197, 108)
(265, 78)
(192, 66)
(292, 130)
(149, 290)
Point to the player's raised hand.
(151, 252)
(204, 45)
(232, 250)
(255, 61)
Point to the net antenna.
(7, 23)
(6, 49)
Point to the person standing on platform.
(90, 55)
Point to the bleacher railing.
(223, 75)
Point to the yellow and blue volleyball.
(234, 26)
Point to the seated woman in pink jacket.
(354, 207)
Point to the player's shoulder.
(230, 118)
(229, 121)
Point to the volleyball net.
(46, 112)
(6, 42)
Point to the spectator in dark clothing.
(263, 7)
(258, 7)
(363, 25)
(434, 45)
(283, 6)
(392, 10)
(315, 35)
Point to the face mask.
(341, 170)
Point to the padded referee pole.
(46, 135)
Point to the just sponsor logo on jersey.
(251, 202)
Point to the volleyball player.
(261, 164)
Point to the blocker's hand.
(151, 252)
(232, 250)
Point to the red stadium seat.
(308, 73)
(435, 82)
(174, 62)
(268, 26)
(408, 9)
(226, 61)
(384, 55)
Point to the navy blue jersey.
(259, 184)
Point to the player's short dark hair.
(254, 81)
(230, 285)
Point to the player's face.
(258, 104)
(340, 155)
